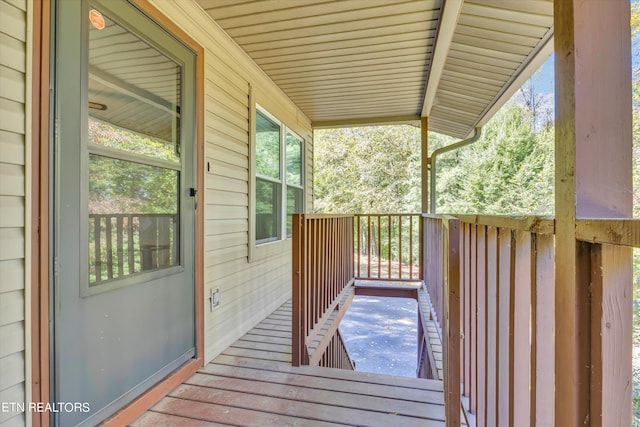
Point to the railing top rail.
(324, 216)
(389, 214)
(440, 216)
(116, 215)
(620, 232)
(534, 224)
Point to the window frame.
(257, 248)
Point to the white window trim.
(261, 250)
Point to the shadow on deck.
(252, 383)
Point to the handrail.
(619, 232)
(534, 224)
(322, 282)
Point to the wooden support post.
(299, 296)
(452, 324)
(593, 179)
(424, 134)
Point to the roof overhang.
(346, 63)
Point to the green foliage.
(367, 170)
(509, 171)
(119, 186)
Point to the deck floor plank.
(311, 392)
(252, 383)
(331, 383)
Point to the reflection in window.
(279, 179)
(267, 147)
(294, 179)
(134, 92)
(268, 184)
(267, 210)
(133, 218)
(295, 204)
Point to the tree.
(367, 170)
(508, 171)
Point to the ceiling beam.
(366, 121)
(449, 14)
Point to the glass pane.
(267, 210)
(134, 92)
(294, 160)
(133, 218)
(267, 147)
(295, 204)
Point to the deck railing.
(388, 246)
(497, 291)
(124, 244)
(323, 279)
(506, 319)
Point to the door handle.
(194, 193)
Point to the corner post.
(424, 137)
(593, 179)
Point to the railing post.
(299, 297)
(451, 320)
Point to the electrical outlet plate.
(214, 298)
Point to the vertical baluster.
(109, 246)
(505, 314)
(400, 246)
(410, 246)
(120, 244)
(98, 247)
(389, 266)
(130, 243)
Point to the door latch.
(194, 193)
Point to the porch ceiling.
(378, 61)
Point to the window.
(279, 178)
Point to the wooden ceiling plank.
(342, 13)
(389, 73)
(347, 69)
(487, 53)
(464, 82)
(495, 80)
(470, 92)
(497, 35)
(361, 101)
(522, 29)
(346, 60)
(466, 56)
(342, 93)
(500, 46)
(418, 78)
(466, 69)
(341, 31)
(413, 36)
(500, 12)
(454, 62)
(539, 7)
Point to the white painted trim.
(28, 195)
(449, 14)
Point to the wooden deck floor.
(252, 383)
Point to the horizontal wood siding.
(13, 80)
(249, 291)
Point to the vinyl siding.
(249, 290)
(13, 51)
